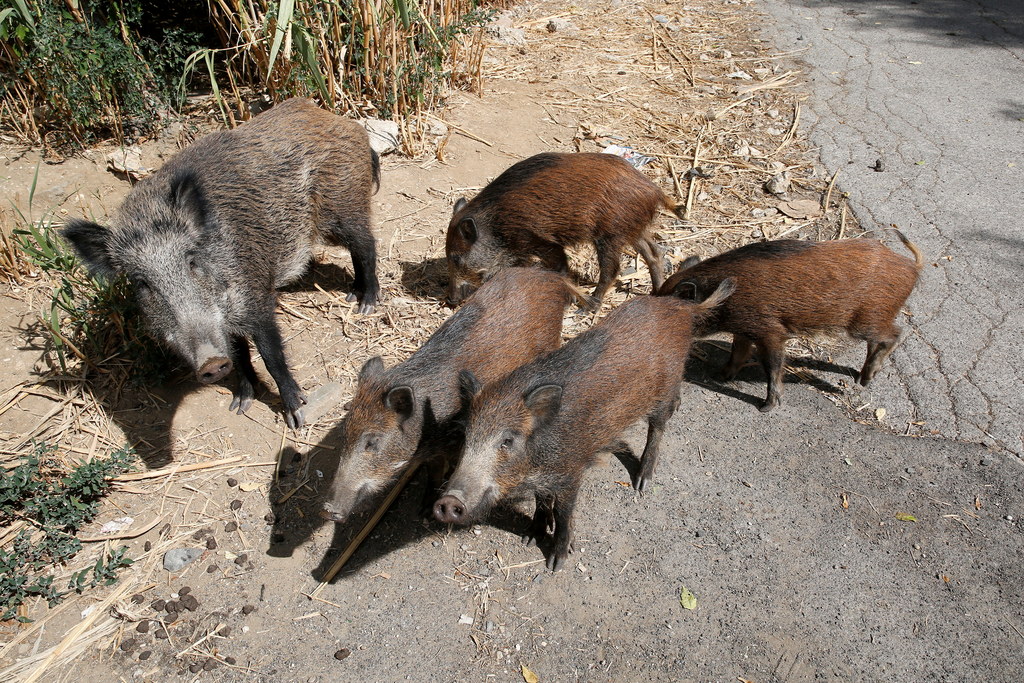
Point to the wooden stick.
(462, 130)
(365, 531)
(153, 474)
(828, 193)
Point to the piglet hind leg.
(655, 428)
(247, 379)
(561, 546)
(879, 349)
(271, 346)
(773, 358)
(741, 348)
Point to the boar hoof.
(769, 405)
(641, 485)
(241, 402)
(556, 561)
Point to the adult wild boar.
(208, 239)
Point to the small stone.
(343, 653)
(211, 543)
(878, 166)
(171, 617)
(142, 626)
(195, 668)
(158, 605)
(128, 644)
(241, 559)
(232, 482)
(269, 518)
(211, 569)
(138, 599)
(162, 634)
(147, 546)
(384, 135)
(184, 590)
(1008, 518)
(210, 664)
(190, 603)
(225, 631)
(173, 606)
(987, 460)
(231, 661)
(231, 526)
(145, 654)
(236, 504)
(177, 559)
(248, 609)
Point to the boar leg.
(553, 257)
(357, 238)
(608, 258)
(563, 507)
(655, 428)
(271, 346)
(543, 519)
(773, 358)
(741, 347)
(247, 379)
(879, 349)
(651, 254)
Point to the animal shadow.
(427, 279)
(709, 357)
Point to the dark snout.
(214, 370)
(457, 293)
(450, 510)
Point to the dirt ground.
(786, 531)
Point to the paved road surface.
(936, 91)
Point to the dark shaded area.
(1014, 110)
(426, 279)
(952, 23)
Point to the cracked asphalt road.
(936, 91)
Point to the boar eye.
(140, 284)
(372, 442)
(506, 443)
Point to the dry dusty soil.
(793, 530)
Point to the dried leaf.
(687, 599)
(800, 208)
(846, 502)
(880, 414)
(905, 517)
(249, 486)
(528, 675)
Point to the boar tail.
(724, 291)
(375, 161)
(918, 258)
(576, 294)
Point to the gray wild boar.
(539, 428)
(407, 414)
(208, 239)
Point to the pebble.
(231, 526)
(128, 644)
(343, 653)
(225, 631)
(158, 605)
(145, 654)
(142, 626)
(211, 569)
(232, 481)
(248, 609)
(987, 460)
(147, 546)
(171, 617)
(195, 668)
(173, 606)
(162, 634)
(177, 559)
(190, 603)
(138, 598)
(210, 664)
(184, 590)
(269, 518)
(236, 504)
(211, 543)
(241, 559)
(230, 661)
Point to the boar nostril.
(449, 510)
(214, 370)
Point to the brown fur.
(407, 412)
(791, 287)
(548, 202)
(539, 428)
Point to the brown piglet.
(550, 201)
(786, 288)
(406, 415)
(538, 429)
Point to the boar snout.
(450, 510)
(214, 370)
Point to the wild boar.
(208, 239)
(550, 201)
(407, 414)
(538, 429)
(790, 287)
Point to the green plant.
(55, 499)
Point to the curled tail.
(723, 292)
(918, 258)
(375, 160)
(670, 204)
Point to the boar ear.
(460, 204)
(401, 400)
(544, 403)
(89, 240)
(686, 290)
(469, 386)
(690, 262)
(467, 228)
(372, 369)
(187, 197)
